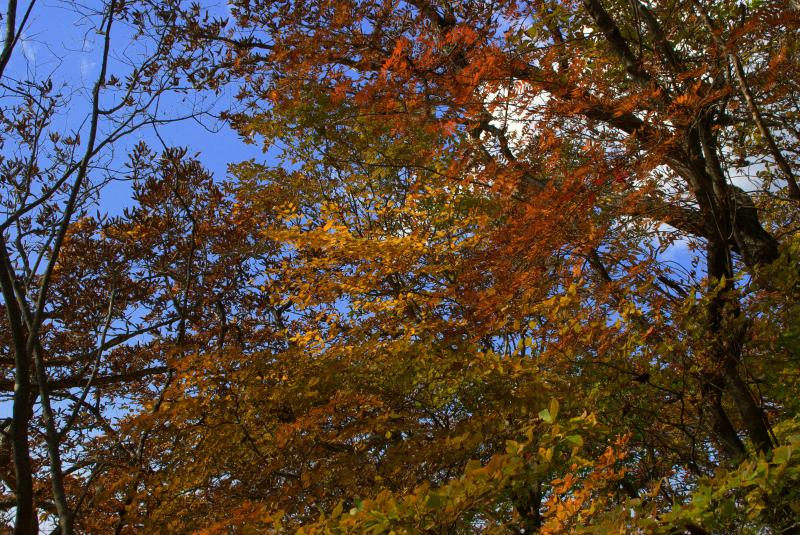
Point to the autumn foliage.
(509, 267)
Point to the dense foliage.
(510, 267)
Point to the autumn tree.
(84, 322)
(517, 267)
(506, 180)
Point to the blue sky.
(59, 43)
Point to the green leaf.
(554, 408)
(544, 414)
(575, 439)
(435, 501)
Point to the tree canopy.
(505, 267)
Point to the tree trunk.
(26, 521)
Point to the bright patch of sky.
(66, 46)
